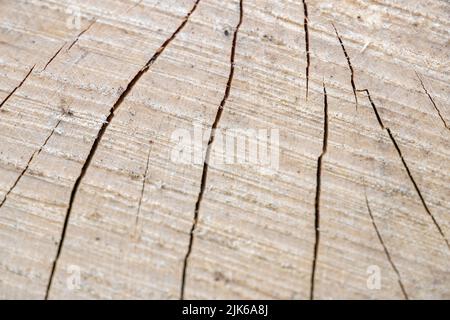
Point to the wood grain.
(357, 89)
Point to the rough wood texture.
(359, 90)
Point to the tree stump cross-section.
(239, 149)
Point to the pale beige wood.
(138, 225)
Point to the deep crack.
(308, 58)
(352, 73)
(318, 191)
(100, 134)
(406, 167)
(386, 251)
(208, 150)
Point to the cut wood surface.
(93, 205)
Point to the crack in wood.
(209, 147)
(416, 186)
(308, 58)
(81, 33)
(352, 73)
(135, 5)
(318, 191)
(33, 156)
(141, 197)
(147, 167)
(53, 57)
(432, 102)
(405, 165)
(100, 134)
(386, 251)
(374, 107)
(17, 87)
